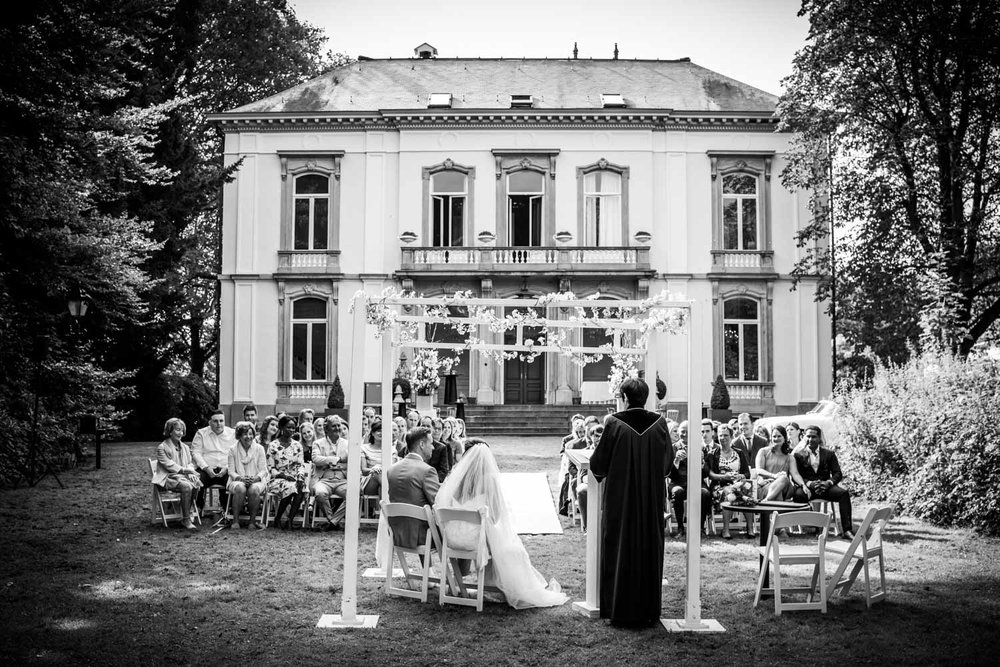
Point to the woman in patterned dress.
(287, 470)
(725, 466)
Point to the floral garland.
(648, 315)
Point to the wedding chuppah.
(399, 321)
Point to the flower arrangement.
(427, 370)
(739, 493)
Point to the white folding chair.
(866, 545)
(777, 553)
(227, 515)
(166, 505)
(421, 577)
(450, 555)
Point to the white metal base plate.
(379, 573)
(681, 625)
(586, 609)
(336, 622)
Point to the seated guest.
(777, 473)
(726, 466)
(572, 435)
(440, 459)
(399, 436)
(678, 482)
(821, 471)
(210, 449)
(371, 461)
(250, 414)
(318, 426)
(307, 436)
(579, 486)
(460, 433)
(578, 442)
(329, 478)
(455, 448)
(708, 436)
(268, 431)
(305, 415)
(247, 475)
(672, 429)
(414, 482)
(287, 472)
(175, 469)
(412, 420)
(746, 440)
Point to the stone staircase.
(486, 421)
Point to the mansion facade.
(514, 178)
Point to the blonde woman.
(175, 469)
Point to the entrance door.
(523, 383)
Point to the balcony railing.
(308, 261)
(743, 261)
(315, 391)
(750, 391)
(499, 258)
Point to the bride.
(473, 483)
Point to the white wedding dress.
(474, 483)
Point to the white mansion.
(514, 177)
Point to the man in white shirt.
(210, 450)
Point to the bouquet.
(739, 493)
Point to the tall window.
(739, 212)
(312, 212)
(309, 339)
(602, 192)
(598, 370)
(525, 195)
(448, 195)
(741, 339)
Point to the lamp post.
(89, 424)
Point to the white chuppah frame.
(349, 617)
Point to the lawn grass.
(86, 579)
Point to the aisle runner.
(530, 503)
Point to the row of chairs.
(855, 555)
(166, 507)
(418, 578)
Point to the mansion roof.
(370, 86)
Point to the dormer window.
(439, 101)
(425, 51)
(521, 101)
(612, 100)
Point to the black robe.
(632, 458)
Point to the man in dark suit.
(747, 442)
(821, 471)
(413, 481)
(439, 458)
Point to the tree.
(895, 108)
(720, 394)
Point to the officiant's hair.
(416, 436)
(635, 391)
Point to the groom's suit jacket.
(414, 482)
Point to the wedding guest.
(460, 432)
(412, 420)
(578, 442)
(307, 436)
(399, 435)
(250, 414)
(475, 483)
(319, 424)
(268, 432)
(820, 469)
(329, 478)
(572, 431)
(287, 472)
(175, 469)
(632, 458)
(795, 438)
(210, 449)
(746, 440)
(777, 473)
(679, 481)
(247, 475)
(726, 466)
(449, 438)
(708, 435)
(672, 429)
(579, 485)
(371, 461)
(440, 459)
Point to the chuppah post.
(692, 621)
(388, 446)
(348, 617)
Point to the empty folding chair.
(780, 552)
(866, 545)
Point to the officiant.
(632, 459)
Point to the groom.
(632, 459)
(414, 482)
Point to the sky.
(752, 41)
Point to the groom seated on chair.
(413, 481)
(821, 472)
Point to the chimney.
(616, 51)
(576, 51)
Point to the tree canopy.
(895, 106)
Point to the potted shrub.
(719, 403)
(335, 401)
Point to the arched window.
(312, 212)
(448, 206)
(309, 339)
(602, 206)
(741, 339)
(525, 195)
(740, 230)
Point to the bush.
(186, 396)
(923, 435)
(720, 395)
(336, 399)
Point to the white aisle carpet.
(530, 503)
